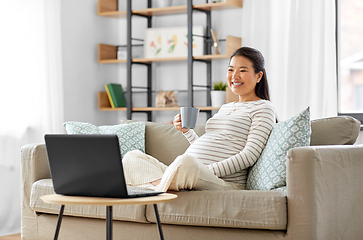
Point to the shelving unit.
(104, 105)
(108, 8)
(108, 53)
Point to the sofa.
(323, 197)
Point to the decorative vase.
(164, 3)
(218, 98)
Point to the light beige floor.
(11, 237)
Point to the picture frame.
(172, 42)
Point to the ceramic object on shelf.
(163, 3)
(218, 98)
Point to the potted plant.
(218, 94)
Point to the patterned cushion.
(131, 136)
(269, 171)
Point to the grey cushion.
(164, 142)
(346, 132)
(134, 213)
(233, 209)
(340, 130)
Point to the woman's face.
(242, 79)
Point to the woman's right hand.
(178, 125)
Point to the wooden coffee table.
(108, 202)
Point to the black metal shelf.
(109, 9)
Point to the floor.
(11, 237)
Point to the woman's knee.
(186, 161)
(132, 153)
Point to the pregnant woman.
(233, 141)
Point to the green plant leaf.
(219, 86)
(171, 49)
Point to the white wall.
(83, 30)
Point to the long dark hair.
(258, 62)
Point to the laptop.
(89, 165)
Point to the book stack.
(115, 95)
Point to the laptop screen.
(86, 165)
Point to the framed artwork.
(172, 42)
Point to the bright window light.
(351, 57)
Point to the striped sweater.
(234, 139)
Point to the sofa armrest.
(324, 192)
(34, 166)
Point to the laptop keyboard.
(134, 191)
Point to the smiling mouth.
(237, 83)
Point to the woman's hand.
(178, 125)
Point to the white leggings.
(185, 172)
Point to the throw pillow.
(269, 172)
(130, 136)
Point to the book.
(115, 95)
(109, 96)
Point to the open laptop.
(89, 165)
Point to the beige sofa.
(324, 196)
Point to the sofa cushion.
(131, 136)
(166, 150)
(334, 131)
(269, 171)
(135, 213)
(232, 209)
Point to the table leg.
(108, 222)
(158, 222)
(60, 216)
